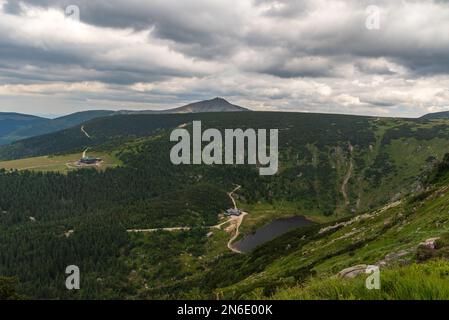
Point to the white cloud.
(52, 88)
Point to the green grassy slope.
(427, 281)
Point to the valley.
(143, 228)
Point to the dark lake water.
(270, 231)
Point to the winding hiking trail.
(232, 198)
(236, 220)
(344, 186)
(239, 221)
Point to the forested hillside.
(50, 220)
(332, 167)
(317, 151)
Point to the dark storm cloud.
(316, 53)
(69, 67)
(200, 28)
(214, 30)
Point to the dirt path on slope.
(162, 229)
(239, 221)
(85, 132)
(344, 186)
(172, 229)
(232, 198)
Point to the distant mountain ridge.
(15, 126)
(213, 105)
(436, 115)
(10, 122)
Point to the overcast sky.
(315, 56)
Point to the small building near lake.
(233, 212)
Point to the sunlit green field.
(61, 163)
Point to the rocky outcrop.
(430, 243)
(394, 257)
(353, 272)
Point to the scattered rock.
(352, 272)
(430, 243)
(394, 256)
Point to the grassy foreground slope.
(426, 281)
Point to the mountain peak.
(219, 99)
(217, 104)
(436, 115)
